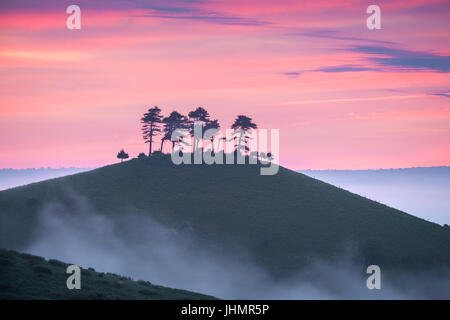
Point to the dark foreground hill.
(282, 222)
(26, 276)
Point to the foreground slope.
(26, 276)
(282, 222)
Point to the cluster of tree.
(154, 124)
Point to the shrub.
(96, 296)
(146, 292)
(4, 287)
(32, 258)
(144, 283)
(6, 263)
(85, 272)
(57, 263)
(42, 270)
(7, 253)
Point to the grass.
(283, 221)
(25, 276)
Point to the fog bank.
(133, 244)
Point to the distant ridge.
(421, 191)
(380, 169)
(11, 178)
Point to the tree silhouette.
(199, 114)
(174, 121)
(122, 155)
(213, 128)
(151, 125)
(243, 126)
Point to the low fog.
(11, 178)
(422, 192)
(133, 244)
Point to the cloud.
(105, 5)
(333, 34)
(411, 96)
(178, 9)
(405, 59)
(384, 54)
(345, 68)
(211, 17)
(47, 55)
(292, 74)
(442, 8)
(441, 94)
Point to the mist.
(11, 178)
(133, 244)
(422, 192)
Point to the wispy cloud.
(405, 59)
(46, 55)
(412, 96)
(48, 5)
(345, 68)
(292, 74)
(175, 9)
(446, 95)
(211, 17)
(335, 35)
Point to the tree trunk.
(194, 146)
(151, 140)
(239, 141)
(162, 144)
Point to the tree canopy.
(151, 126)
(171, 123)
(122, 155)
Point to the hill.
(26, 276)
(282, 222)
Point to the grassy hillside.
(25, 276)
(283, 221)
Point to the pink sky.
(343, 96)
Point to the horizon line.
(304, 169)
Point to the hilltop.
(282, 222)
